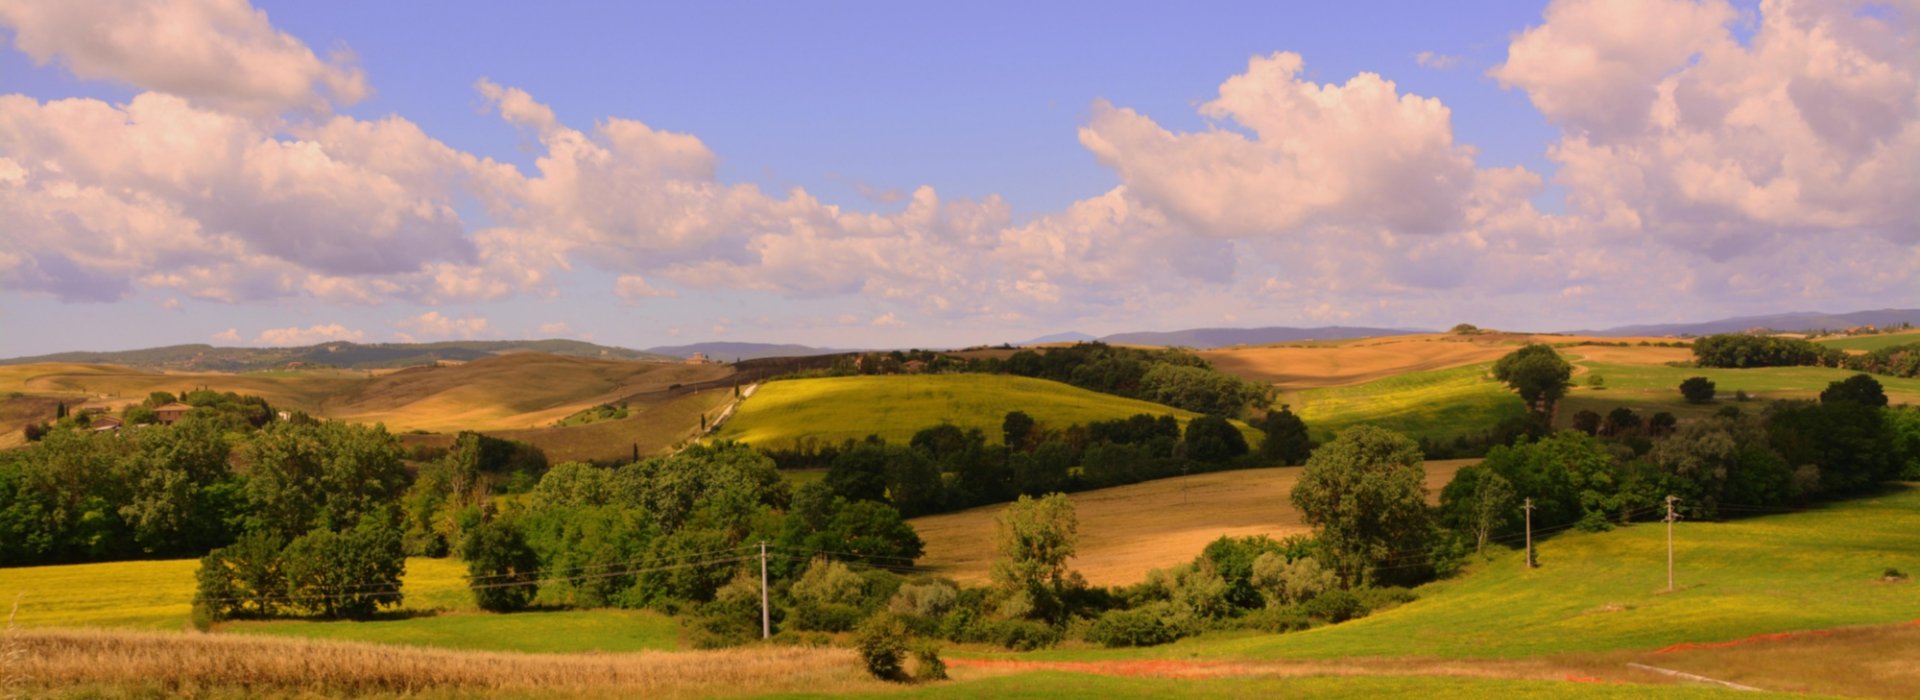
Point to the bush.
(346, 574)
(927, 664)
(1333, 606)
(881, 642)
(502, 570)
(1142, 627)
(828, 582)
(929, 599)
(825, 617)
(1697, 389)
(1291, 618)
(1024, 635)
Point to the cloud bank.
(1694, 164)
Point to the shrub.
(828, 582)
(1333, 606)
(1024, 635)
(825, 617)
(502, 570)
(346, 574)
(1290, 618)
(929, 599)
(1283, 582)
(1697, 389)
(881, 642)
(927, 664)
(1142, 627)
(1893, 574)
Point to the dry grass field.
(164, 665)
(524, 390)
(114, 386)
(1297, 366)
(1126, 531)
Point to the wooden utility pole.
(1529, 509)
(1670, 519)
(766, 619)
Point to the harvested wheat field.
(1294, 366)
(165, 664)
(1125, 531)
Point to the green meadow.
(894, 407)
(1872, 342)
(1601, 592)
(1438, 403)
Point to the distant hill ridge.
(730, 351)
(335, 354)
(1787, 322)
(1208, 338)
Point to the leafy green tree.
(1537, 373)
(1862, 389)
(1286, 442)
(1697, 389)
(1587, 422)
(883, 642)
(914, 485)
(1213, 440)
(243, 579)
(1035, 537)
(502, 570)
(1477, 502)
(860, 474)
(185, 498)
(322, 475)
(1723, 459)
(1015, 429)
(347, 574)
(1365, 496)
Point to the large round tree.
(1365, 495)
(1537, 373)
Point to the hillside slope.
(895, 407)
(525, 390)
(201, 357)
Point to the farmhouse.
(102, 422)
(169, 413)
(700, 358)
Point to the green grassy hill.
(1602, 592)
(895, 407)
(1872, 342)
(1435, 404)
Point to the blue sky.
(1096, 171)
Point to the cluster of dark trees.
(235, 412)
(1731, 464)
(80, 495)
(1897, 361)
(945, 468)
(1737, 350)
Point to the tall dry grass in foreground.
(13, 656)
(193, 663)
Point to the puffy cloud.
(1436, 61)
(635, 287)
(222, 53)
(434, 325)
(1695, 139)
(159, 191)
(555, 328)
(295, 336)
(1358, 153)
(887, 320)
(230, 335)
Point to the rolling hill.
(729, 352)
(1786, 322)
(896, 406)
(339, 354)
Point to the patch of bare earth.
(1125, 531)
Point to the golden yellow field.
(522, 390)
(1295, 366)
(171, 664)
(1125, 531)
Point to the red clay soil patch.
(1162, 668)
(1755, 639)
